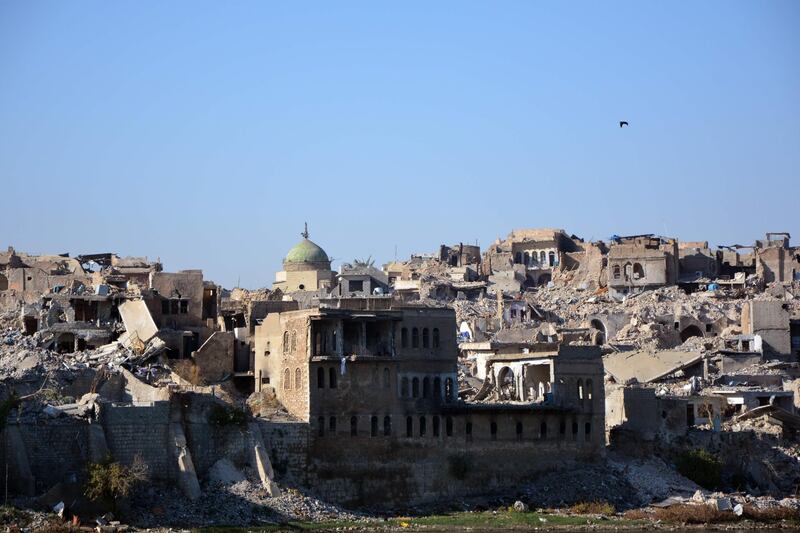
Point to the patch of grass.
(700, 466)
(496, 520)
(221, 415)
(597, 507)
(483, 521)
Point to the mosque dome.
(306, 251)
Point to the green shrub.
(701, 467)
(107, 481)
(227, 416)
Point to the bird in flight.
(622, 123)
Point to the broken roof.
(647, 366)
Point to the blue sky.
(206, 133)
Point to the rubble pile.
(241, 503)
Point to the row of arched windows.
(418, 427)
(534, 259)
(635, 271)
(332, 378)
(428, 340)
(289, 341)
(287, 379)
(427, 388)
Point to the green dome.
(306, 252)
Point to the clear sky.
(206, 133)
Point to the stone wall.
(287, 446)
(395, 470)
(56, 450)
(140, 430)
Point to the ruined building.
(641, 262)
(378, 388)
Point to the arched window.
(320, 378)
(493, 430)
(579, 386)
(542, 257)
(589, 388)
(404, 388)
(552, 258)
(574, 429)
(353, 426)
(527, 259)
(373, 426)
(587, 430)
(332, 424)
(333, 342)
(437, 388)
(409, 426)
(638, 271)
(332, 378)
(415, 388)
(298, 379)
(321, 426)
(387, 378)
(285, 342)
(422, 426)
(435, 338)
(415, 338)
(294, 341)
(518, 257)
(519, 430)
(426, 338)
(617, 273)
(449, 393)
(435, 426)
(404, 338)
(387, 426)
(543, 430)
(448, 426)
(287, 379)
(426, 387)
(562, 427)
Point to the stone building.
(696, 260)
(776, 260)
(376, 383)
(533, 252)
(305, 268)
(641, 262)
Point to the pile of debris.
(230, 502)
